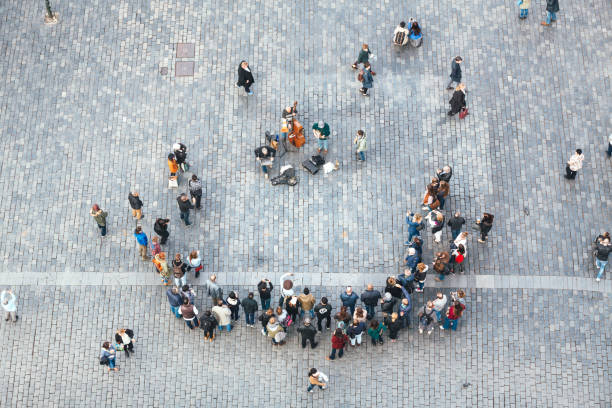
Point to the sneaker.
(597, 279)
(544, 23)
(481, 241)
(441, 327)
(250, 93)
(205, 337)
(324, 387)
(314, 346)
(449, 88)
(310, 390)
(266, 176)
(236, 85)
(420, 331)
(429, 332)
(263, 332)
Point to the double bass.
(296, 137)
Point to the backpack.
(399, 38)
(288, 321)
(421, 226)
(103, 360)
(425, 319)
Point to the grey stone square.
(185, 50)
(184, 68)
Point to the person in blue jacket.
(349, 299)
(415, 224)
(142, 240)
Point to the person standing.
(223, 314)
(404, 311)
(209, 324)
(427, 317)
(308, 333)
(233, 303)
(100, 217)
(307, 302)
(9, 304)
(457, 101)
(184, 206)
(343, 318)
(195, 190)
(143, 242)
(436, 221)
(452, 316)
(574, 164)
(321, 131)
(420, 276)
(603, 249)
(175, 300)
(455, 223)
(275, 332)
(323, 312)
(524, 8)
(361, 145)
(155, 248)
(443, 192)
(180, 154)
(364, 56)
(455, 76)
(393, 323)
(179, 269)
(264, 287)
(136, 204)
(367, 80)
(125, 338)
(439, 303)
(375, 331)
(552, 8)
(161, 264)
(349, 299)
(213, 290)
(485, 224)
(173, 167)
(415, 225)
(187, 293)
(107, 356)
(314, 380)
(194, 261)
(161, 228)
(249, 305)
(339, 341)
(370, 298)
(264, 318)
(355, 332)
(190, 314)
(245, 77)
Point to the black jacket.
(159, 227)
(208, 322)
(393, 326)
(307, 332)
(394, 291)
(438, 228)
(603, 251)
(259, 154)
(135, 202)
(455, 72)
(387, 307)
(322, 310)
(370, 297)
(457, 101)
(181, 154)
(442, 176)
(264, 319)
(249, 305)
(455, 223)
(118, 338)
(184, 206)
(485, 226)
(552, 6)
(265, 294)
(244, 76)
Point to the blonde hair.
(417, 217)
(460, 87)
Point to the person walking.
(275, 332)
(404, 310)
(161, 265)
(9, 304)
(375, 331)
(393, 323)
(339, 341)
(195, 190)
(307, 302)
(179, 270)
(484, 224)
(308, 333)
(457, 101)
(436, 222)
(602, 252)
(420, 276)
(349, 299)
(264, 318)
(355, 332)
(213, 290)
(195, 262)
(189, 313)
(321, 132)
(125, 339)
(524, 8)
(363, 57)
(161, 228)
(452, 316)
(323, 312)
(443, 192)
(100, 217)
(387, 305)
(361, 144)
(366, 79)
(107, 356)
(574, 164)
(415, 225)
(264, 287)
(155, 247)
(439, 303)
(187, 293)
(552, 8)
(293, 307)
(427, 318)
(249, 305)
(223, 314)
(370, 298)
(209, 324)
(233, 303)
(143, 242)
(184, 206)
(245, 77)
(314, 380)
(412, 260)
(175, 300)
(136, 204)
(455, 76)
(455, 223)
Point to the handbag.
(464, 112)
(173, 182)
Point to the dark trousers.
(250, 317)
(185, 217)
(235, 312)
(364, 90)
(164, 237)
(310, 339)
(198, 198)
(609, 152)
(209, 331)
(371, 310)
(102, 229)
(127, 348)
(265, 304)
(320, 320)
(333, 353)
(247, 87)
(192, 323)
(569, 173)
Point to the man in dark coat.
(245, 77)
(552, 8)
(308, 333)
(184, 205)
(136, 204)
(161, 228)
(370, 298)
(455, 76)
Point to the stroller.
(286, 176)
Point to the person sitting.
(265, 155)
(416, 36)
(400, 35)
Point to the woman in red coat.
(339, 341)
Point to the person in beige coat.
(307, 302)
(574, 164)
(222, 313)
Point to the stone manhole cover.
(184, 68)
(185, 50)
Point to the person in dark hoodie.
(394, 325)
(388, 303)
(355, 331)
(484, 224)
(136, 204)
(180, 154)
(245, 77)
(349, 299)
(457, 101)
(370, 298)
(184, 205)
(249, 305)
(308, 333)
(455, 223)
(264, 287)
(209, 324)
(444, 174)
(323, 312)
(264, 318)
(161, 228)
(234, 304)
(455, 76)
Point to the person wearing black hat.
(308, 333)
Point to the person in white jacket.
(574, 164)
(222, 313)
(438, 305)
(401, 28)
(286, 288)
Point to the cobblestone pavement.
(86, 115)
(517, 347)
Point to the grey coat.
(552, 6)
